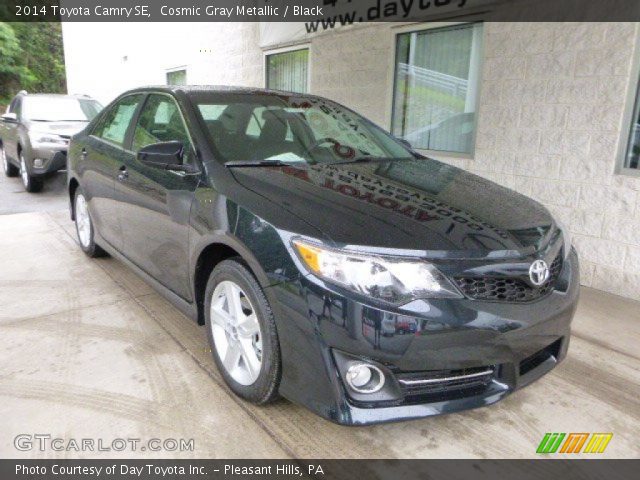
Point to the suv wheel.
(84, 226)
(242, 332)
(31, 184)
(10, 170)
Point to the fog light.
(38, 163)
(364, 378)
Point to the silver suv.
(35, 133)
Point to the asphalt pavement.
(89, 350)
(14, 198)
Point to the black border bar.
(533, 469)
(336, 11)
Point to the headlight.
(391, 279)
(566, 237)
(39, 138)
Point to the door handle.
(123, 174)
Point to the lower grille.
(508, 289)
(540, 357)
(444, 384)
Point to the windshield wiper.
(258, 163)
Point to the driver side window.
(161, 121)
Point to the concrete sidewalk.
(91, 351)
(15, 199)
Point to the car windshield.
(59, 109)
(291, 129)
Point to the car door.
(101, 154)
(155, 203)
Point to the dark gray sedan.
(328, 261)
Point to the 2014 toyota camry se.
(329, 262)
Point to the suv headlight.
(392, 279)
(40, 138)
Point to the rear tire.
(246, 343)
(84, 226)
(10, 170)
(31, 184)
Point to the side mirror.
(165, 155)
(9, 117)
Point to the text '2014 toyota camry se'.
(329, 262)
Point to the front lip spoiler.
(354, 414)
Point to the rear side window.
(114, 124)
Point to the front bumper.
(518, 342)
(53, 159)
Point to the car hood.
(420, 204)
(66, 129)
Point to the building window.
(632, 151)
(288, 71)
(436, 87)
(177, 77)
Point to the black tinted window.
(114, 124)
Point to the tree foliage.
(31, 58)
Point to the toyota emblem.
(539, 272)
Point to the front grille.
(508, 289)
(444, 384)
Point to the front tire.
(10, 170)
(84, 226)
(242, 333)
(31, 184)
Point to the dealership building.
(548, 109)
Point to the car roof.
(216, 89)
(53, 95)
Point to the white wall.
(550, 118)
(552, 102)
(105, 59)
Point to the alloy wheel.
(24, 173)
(83, 221)
(236, 332)
(5, 162)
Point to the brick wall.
(352, 68)
(550, 119)
(229, 54)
